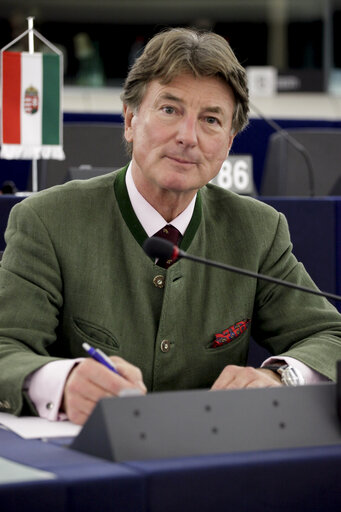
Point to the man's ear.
(128, 116)
(230, 141)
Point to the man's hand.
(237, 377)
(89, 381)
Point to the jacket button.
(159, 281)
(165, 346)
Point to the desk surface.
(83, 483)
(297, 479)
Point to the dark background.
(310, 28)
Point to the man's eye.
(168, 110)
(212, 120)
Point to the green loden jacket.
(74, 270)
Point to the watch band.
(289, 375)
(274, 366)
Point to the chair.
(286, 171)
(90, 144)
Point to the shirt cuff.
(309, 375)
(45, 387)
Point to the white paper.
(32, 427)
(11, 472)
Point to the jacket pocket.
(95, 334)
(229, 335)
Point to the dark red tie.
(172, 234)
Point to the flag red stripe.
(11, 86)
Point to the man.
(74, 270)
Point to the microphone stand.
(156, 247)
(178, 253)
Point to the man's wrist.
(274, 375)
(288, 375)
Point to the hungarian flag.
(31, 106)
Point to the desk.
(83, 483)
(284, 480)
(277, 481)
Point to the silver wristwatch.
(289, 375)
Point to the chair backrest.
(91, 144)
(286, 172)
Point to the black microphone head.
(157, 247)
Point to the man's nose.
(187, 131)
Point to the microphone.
(294, 143)
(156, 247)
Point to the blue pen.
(100, 356)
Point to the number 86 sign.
(236, 175)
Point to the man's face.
(181, 134)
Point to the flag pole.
(31, 50)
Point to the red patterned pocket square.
(231, 333)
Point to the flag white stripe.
(31, 77)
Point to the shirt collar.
(149, 218)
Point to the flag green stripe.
(51, 99)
